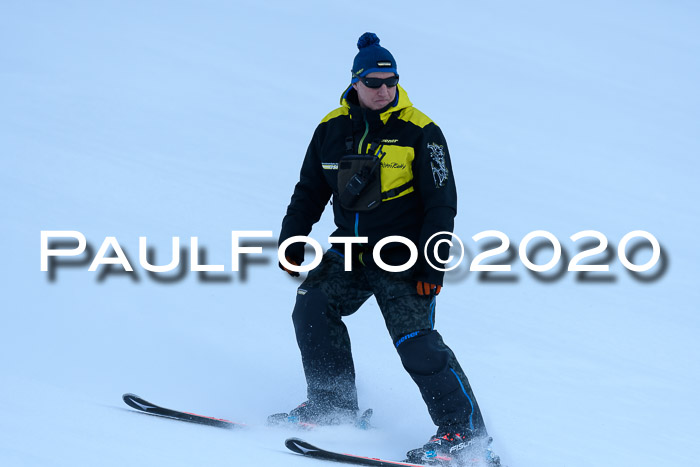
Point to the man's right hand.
(291, 273)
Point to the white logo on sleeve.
(437, 156)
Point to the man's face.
(375, 99)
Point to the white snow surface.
(191, 119)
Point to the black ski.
(142, 405)
(309, 450)
(282, 419)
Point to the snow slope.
(190, 119)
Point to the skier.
(387, 168)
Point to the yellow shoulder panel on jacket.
(415, 116)
(336, 113)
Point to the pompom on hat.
(372, 57)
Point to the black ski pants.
(329, 293)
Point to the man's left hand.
(291, 273)
(425, 288)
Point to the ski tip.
(299, 446)
(129, 399)
(138, 403)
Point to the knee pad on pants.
(427, 360)
(422, 353)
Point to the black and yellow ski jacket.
(419, 197)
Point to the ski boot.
(455, 447)
(310, 414)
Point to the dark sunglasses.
(376, 83)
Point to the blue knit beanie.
(371, 57)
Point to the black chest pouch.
(359, 182)
(359, 175)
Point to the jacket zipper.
(359, 151)
(357, 214)
(362, 140)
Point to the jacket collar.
(349, 100)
